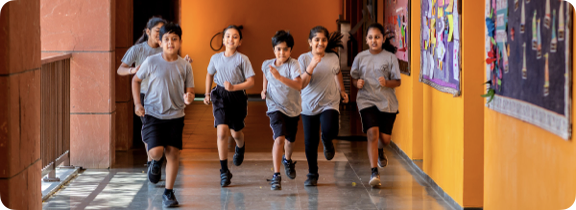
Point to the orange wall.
(200, 20)
(525, 166)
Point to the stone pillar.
(86, 29)
(124, 103)
(20, 165)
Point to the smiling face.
(374, 39)
(231, 39)
(282, 52)
(170, 43)
(154, 33)
(318, 43)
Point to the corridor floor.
(343, 182)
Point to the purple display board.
(397, 19)
(528, 57)
(440, 45)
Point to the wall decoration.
(530, 72)
(440, 45)
(397, 19)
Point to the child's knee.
(172, 152)
(279, 141)
(237, 135)
(156, 152)
(372, 134)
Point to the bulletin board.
(397, 19)
(528, 57)
(440, 45)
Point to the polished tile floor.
(343, 182)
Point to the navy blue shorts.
(157, 132)
(372, 117)
(229, 108)
(282, 125)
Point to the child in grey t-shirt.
(233, 74)
(322, 89)
(171, 88)
(375, 73)
(281, 89)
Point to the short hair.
(283, 36)
(170, 28)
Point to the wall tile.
(90, 140)
(91, 83)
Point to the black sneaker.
(289, 167)
(169, 200)
(329, 150)
(375, 179)
(382, 159)
(276, 182)
(154, 171)
(239, 155)
(312, 180)
(225, 178)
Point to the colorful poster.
(397, 19)
(529, 66)
(440, 45)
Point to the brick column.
(20, 165)
(86, 29)
(124, 103)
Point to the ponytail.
(154, 21)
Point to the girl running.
(375, 73)
(281, 89)
(233, 74)
(322, 89)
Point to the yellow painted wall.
(525, 166)
(202, 19)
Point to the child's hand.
(134, 70)
(207, 99)
(360, 83)
(382, 81)
(228, 86)
(344, 96)
(315, 60)
(188, 98)
(139, 110)
(187, 58)
(275, 72)
(263, 94)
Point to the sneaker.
(289, 166)
(169, 200)
(375, 179)
(312, 180)
(239, 155)
(329, 150)
(382, 159)
(276, 182)
(154, 171)
(225, 178)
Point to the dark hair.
(154, 21)
(171, 28)
(387, 45)
(334, 38)
(238, 28)
(283, 36)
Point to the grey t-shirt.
(167, 83)
(370, 67)
(280, 97)
(234, 69)
(322, 92)
(137, 54)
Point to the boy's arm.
(189, 96)
(139, 109)
(209, 79)
(249, 83)
(125, 69)
(296, 83)
(264, 87)
(340, 83)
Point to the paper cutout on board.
(554, 42)
(546, 78)
(450, 27)
(534, 33)
(547, 15)
(523, 18)
(539, 47)
(561, 26)
(431, 65)
(524, 69)
(450, 7)
(456, 61)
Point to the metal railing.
(54, 114)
